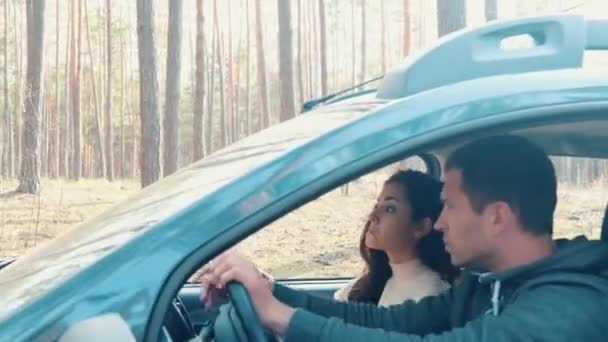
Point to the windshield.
(53, 262)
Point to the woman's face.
(390, 226)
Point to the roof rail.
(559, 43)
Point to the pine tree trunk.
(29, 179)
(362, 76)
(135, 114)
(109, 137)
(286, 61)
(172, 93)
(353, 51)
(491, 10)
(199, 92)
(310, 48)
(64, 138)
(7, 150)
(323, 49)
(301, 97)
(209, 138)
(76, 158)
(451, 16)
(123, 158)
(315, 54)
(53, 157)
(222, 87)
(44, 136)
(248, 70)
(407, 29)
(383, 46)
(150, 122)
(230, 110)
(261, 68)
(236, 133)
(18, 103)
(98, 130)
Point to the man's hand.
(230, 266)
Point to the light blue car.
(125, 270)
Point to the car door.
(315, 248)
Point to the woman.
(405, 257)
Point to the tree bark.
(19, 38)
(199, 92)
(286, 61)
(383, 46)
(363, 43)
(29, 179)
(261, 67)
(238, 123)
(209, 138)
(323, 49)
(76, 158)
(491, 10)
(299, 62)
(8, 169)
(109, 136)
(230, 112)
(53, 157)
(407, 29)
(315, 71)
(172, 93)
(98, 129)
(150, 122)
(123, 158)
(353, 51)
(64, 138)
(451, 16)
(248, 70)
(220, 61)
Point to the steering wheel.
(241, 301)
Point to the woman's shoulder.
(434, 282)
(342, 293)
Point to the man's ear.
(500, 215)
(424, 227)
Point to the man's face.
(464, 231)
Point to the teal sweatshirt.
(563, 297)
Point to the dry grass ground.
(319, 239)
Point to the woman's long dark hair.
(423, 192)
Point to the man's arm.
(541, 314)
(430, 315)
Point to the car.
(132, 262)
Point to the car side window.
(321, 238)
(582, 196)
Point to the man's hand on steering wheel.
(229, 267)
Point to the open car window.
(321, 238)
(582, 196)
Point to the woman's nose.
(374, 219)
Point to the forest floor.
(318, 239)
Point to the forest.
(137, 89)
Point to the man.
(497, 221)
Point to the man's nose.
(441, 223)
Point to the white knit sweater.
(411, 280)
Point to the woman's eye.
(390, 209)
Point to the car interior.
(231, 322)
